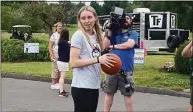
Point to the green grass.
(72, 29)
(148, 74)
(41, 36)
(35, 68)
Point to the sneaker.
(63, 91)
(63, 94)
(55, 86)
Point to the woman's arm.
(76, 62)
(187, 51)
(50, 47)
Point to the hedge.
(182, 64)
(12, 50)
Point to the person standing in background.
(62, 63)
(53, 50)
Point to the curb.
(151, 90)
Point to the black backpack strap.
(113, 41)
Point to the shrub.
(182, 64)
(13, 51)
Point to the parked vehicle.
(22, 32)
(157, 30)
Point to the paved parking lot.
(27, 95)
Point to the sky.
(87, 2)
(100, 3)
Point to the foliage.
(131, 6)
(96, 6)
(182, 64)
(43, 15)
(51, 13)
(107, 7)
(13, 51)
(6, 17)
(13, 14)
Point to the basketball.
(115, 68)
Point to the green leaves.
(13, 51)
(182, 64)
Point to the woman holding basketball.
(85, 59)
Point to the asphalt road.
(26, 95)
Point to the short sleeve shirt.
(88, 76)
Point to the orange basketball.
(115, 68)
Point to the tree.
(9, 15)
(6, 17)
(50, 13)
(13, 13)
(97, 7)
(122, 4)
(68, 11)
(107, 7)
(77, 7)
(132, 5)
(43, 11)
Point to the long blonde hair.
(96, 25)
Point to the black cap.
(129, 15)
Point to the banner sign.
(139, 57)
(31, 47)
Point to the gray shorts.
(114, 82)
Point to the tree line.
(42, 15)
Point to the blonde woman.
(53, 50)
(85, 59)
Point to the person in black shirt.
(62, 63)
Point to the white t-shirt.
(88, 76)
(55, 37)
